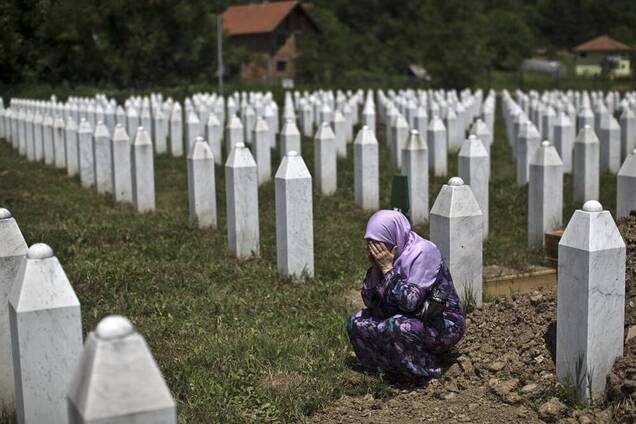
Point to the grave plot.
(241, 287)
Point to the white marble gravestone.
(46, 337)
(201, 185)
(143, 172)
(289, 137)
(176, 131)
(528, 141)
(610, 155)
(132, 121)
(117, 380)
(564, 140)
(38, 136)
(102, 159)
(325, 159)
(214, 135)
(626, 186)
(415, 167)
(261, 147)
(399, 137)
(241, 192)
(456, 228)
(47, 140)
(474, 169)
(437, 147)
(585, 168)
(160, 131)
(86, 154)
(193, 130)
(12, 251)
(366, 170)
(294, 218)
(72, 147)
(628, 132)
(590, 299)
(234, 133)
(59, 146)
(545, 194)
(340, 132)
(454, 131)
(121, 168)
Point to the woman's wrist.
(387, 269)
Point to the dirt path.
(504, 371)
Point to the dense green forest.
(140, 43)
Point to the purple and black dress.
(413, 312)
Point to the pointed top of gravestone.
(292, 167)
(628, 113)
(13, 243)
(592, 229)
(325, 132)
(628, 168)
(455, 200)
(261, 125)
(101, 130)
(85, 127)
(234, 123)
(193, 118)
(213, 120)
(586, 136)
(59, 122)
(451, 114)
(436, 125)
(201, 150)
(41, 283)
(290, 128)
(562, 120)
(338, 117)
(240, 157)
(119, 133)
(114, 327)
(47, 121)
(415, 141)
(546, 155)
(473, 147)
(175, 114)
(70, 124)
(365, 136)
(613, 124)
(142, 137)
(400, 121)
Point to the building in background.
(271, 33)
(603, 56)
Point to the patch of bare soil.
(503, 370)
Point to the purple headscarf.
(416, 259)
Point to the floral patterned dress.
(389, 337)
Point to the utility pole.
(219, 50)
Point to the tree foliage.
(143, 42)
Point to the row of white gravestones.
(45, 374)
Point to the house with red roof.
(271, 33)
(603, 55)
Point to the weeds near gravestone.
(468, 298)
(572, 385)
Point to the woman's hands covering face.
(381, 255)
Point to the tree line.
(168, 42)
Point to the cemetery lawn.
(235, 341)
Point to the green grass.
(220, 329)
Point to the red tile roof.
(602, 43)
(256, 18)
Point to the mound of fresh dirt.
(503, 370)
